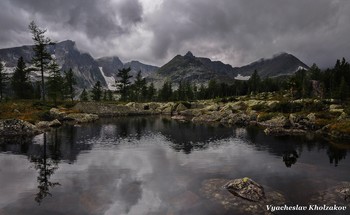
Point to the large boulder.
(82, 117)
(338, 195)
(246, 188)
(238, 119)
(57, 114)
(48, 124)
(214, 116)
(180, 107)
(336, 108)
(213, 107)
(17, 127)
(214, 190)
(276, 121)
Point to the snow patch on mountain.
(242, 78)
(301, 68)
(109, 80)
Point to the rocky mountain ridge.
(189, 68)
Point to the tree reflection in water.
(46, 167)
(290, 158)
(335, 155)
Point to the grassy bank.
(31, 110)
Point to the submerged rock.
(246, 188)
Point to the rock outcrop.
(246, 188)
(245, 201)
(17, 127)
(338, 194)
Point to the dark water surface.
(153, 165)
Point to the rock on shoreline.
(17, 127)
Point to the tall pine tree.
(139, 87)
(69, 82)
(55, 82)
(97, 91)
(151, 92)
(42, 57)
(20, 83)
(123, 84)
(84, 96)
(3, 80)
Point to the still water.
(153, 165)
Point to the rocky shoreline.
(14, 128)
(279, 118)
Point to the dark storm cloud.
(101, 18)
(235, 32)
(247, 30)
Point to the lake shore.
(277, 117)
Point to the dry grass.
(343, 127)
(28, 110)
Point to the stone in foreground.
(246, 188)
(215, 191)
(338, 194)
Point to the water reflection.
(335, 155)
(290, 158)
(152, 165)
(46, 167)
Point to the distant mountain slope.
(201, 70)
(193, 69)
(86, 69)
(109, 66)
(280, 64)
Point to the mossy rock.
(246, 188)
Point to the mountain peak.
(67, 42)
(189, 55)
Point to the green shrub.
(266, 116)
(260, 107)
(287, 107)
(45, 116)
(314, 106)
(69, 104)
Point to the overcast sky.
(153, 31)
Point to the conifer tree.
(104, 95)
(123, 84)
(3, 80)
(139, 87)
(69, 82)
(20, 83)
(97, 91)
(166, 92)
(109, 95)
(84, 96)
(42, 57)
(254, 82)
(55, 83)
(151, 92)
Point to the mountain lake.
(155, 165)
